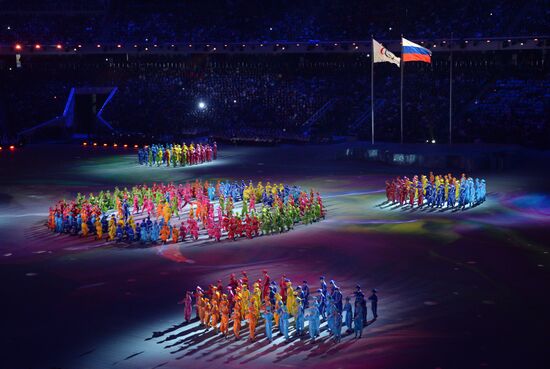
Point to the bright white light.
(202, 105)
(433, 141)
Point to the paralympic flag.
(381, 54)
(415, 52)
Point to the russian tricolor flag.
(415, 52)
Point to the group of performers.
(177, 155)
(176, 213)
(437, 191)
(277, 304)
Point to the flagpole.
(402, 67)
(372, 90)
(451, 92)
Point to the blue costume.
(211, 193)
(358, 321)
(129, 233)
(272, 291)
(119, 233)
(300, 321)
(305, 290)
(331, 309)
(323, 291)
(337, 325)
(333, 286)
(283, 320)
(313, 319)
(349, 315)
(323, 285)
(58, 223)
(322, 303)
(429, 194)
(440, 198)
(360, 301)
(125, 210)
(104, 224)
(337, 298)
(155, 232)
(138, 233)
(471, 192)
(451, 197)
(268, 316)
(374, 303)
(462, 195)
(144, 233)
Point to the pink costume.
(252, 202)
(136, 205)
(193, 228)
(188, 306)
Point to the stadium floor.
(461, 289)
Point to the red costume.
(183, 231)
(282, 286)
(193, 228)
(244, 278)
(412, 191)
(266, 283)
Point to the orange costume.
(164, 233)
(215, 313)
(224, 325)
(236, 323)
(51, 220)
(207, 311)
(175, 235)
(99, 229)
(84, 229)
(112, 229)
(160, 209)
(252, 318)
(278, 303)
(200, 308)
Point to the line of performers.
(436, 191)
(177, 155)
(277, 304)
(176, 213)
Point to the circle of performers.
(436, 191)
(177, 213)
(279, 305)
(176, 155)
